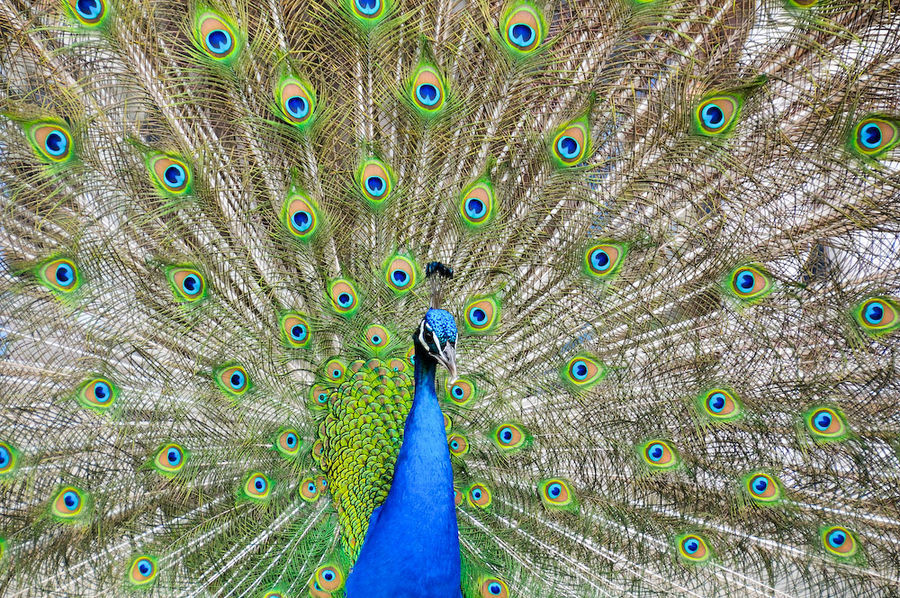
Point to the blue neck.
(412, 542)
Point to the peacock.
(449, 298)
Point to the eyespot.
(59, 275)
(400, 274)
(288, 443)
(478, 495)
(377, 336)
(233, 380)
(309, 490)
(411, 355)
(88, 12)
(556, 494)
(52, 141)
(763, 487)
(170, 174)
(170, 458)
(295, 330)
(825, 423)
(458, 444)
(329, 578)
(299, 216)
(659, 454)
(716, 115)
(693, 548)
(216, 37)
(522, 29)
(603, 260)
(476, 206)
(318, 397)
(257, 486)
(98, 394)
(142, 570)
(427, 90)
(719, 404)
(69, 503)
(493, 587)
(8, 458)
(482, 315)
(343, 297)
(457, 497)
(583, 371)
(368, 10)
(878, 315)
(335, 370)
(510, 437)
(749, 283)
(375, 181)
(571, 143)
(460, 392)
(296, 101)
(839, 541)
(187, 284)
(874, 136)
(318, 450)
(322, 482)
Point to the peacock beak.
(447, 356)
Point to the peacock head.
(436, 339)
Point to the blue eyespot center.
(145, 567)
(376, 340)
(344, 299)
(691, 546)
(368, 7)
(428, 94)
(375, 186)
(476, 494)
(71, 500)
(323, 398)
(88, 9)
(475, 208)
(495, 588)
(746, 281)
(237, 379)
(521, 35)
(713, 116)
(291, 439)
(836, 538)
(478, 316)
(259, 484)
(101, 392)
(173, 456)
(219, 41)
(311, 487)
(554, 490)
(760, 483)
(579, 370)
(298, 332)
(716, 402)
(328, 575)
(568, 147)
(55, 143)
(655, 452)
(5, 456)
(297, 106)
(174, 175)
(874, 312)
(822, 420)
(870, 136)
(454, 444)
(600, 259)
(458, 391)
(64, 274)
(400, 277)
(301, 220)
(506, 435)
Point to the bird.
(449, 298)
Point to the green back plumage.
(674, 231)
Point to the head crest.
(437, 273)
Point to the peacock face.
(436, 336)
